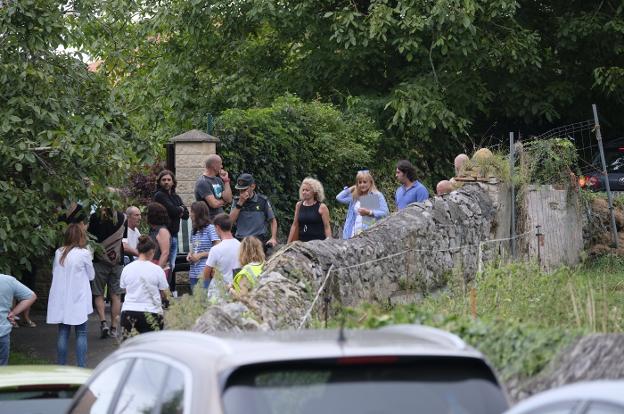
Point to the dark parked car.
(399, 369)
(614, 159)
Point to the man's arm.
(236, 207)
(130, 250)
(21, 307)
(172, 209)
(273, 240)
(208, 273)
(227, 189)
(213, 202)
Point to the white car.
(400, 369)
(596, 397)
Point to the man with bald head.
(213, 186)
(132, 233)
(460, 160)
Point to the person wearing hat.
(252, 211)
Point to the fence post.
(606, 177)
(513, 194)
(540, 241)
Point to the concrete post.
(191, 150)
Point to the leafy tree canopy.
(443, 72)
(63, 135)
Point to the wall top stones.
(194, 135)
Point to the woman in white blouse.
(69, 303)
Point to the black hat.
(244, 181)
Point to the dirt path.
(40, 342)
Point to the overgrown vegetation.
(549, 161)
(524, 316)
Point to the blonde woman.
(311, 221)
(251, 257)
(366, 204)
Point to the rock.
(592, 357)
(482, 154)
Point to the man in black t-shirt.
(213, 186)
(108, 226)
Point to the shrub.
(290, 140)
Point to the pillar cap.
(194, 135)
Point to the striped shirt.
(201, 241)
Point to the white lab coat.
(70, 294)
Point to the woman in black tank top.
(311, 221)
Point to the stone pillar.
(191, 150)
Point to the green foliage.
(63, 136)
(184, 311)
(290, 140)
(549, 161)
(434, 74)
(524, 315)
(515, 349)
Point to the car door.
(152, 386)
(134, 385)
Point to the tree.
(63, 135)
(437, 75)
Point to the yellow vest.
(251, 272)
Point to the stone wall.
(408, 253)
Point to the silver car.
(596, 397)
(399, 369)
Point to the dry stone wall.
(409, 253)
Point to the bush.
(290, 140)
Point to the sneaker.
(113, 332)
(103, 330)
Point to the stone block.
(195, 148)
(188, 173)
(190, 160)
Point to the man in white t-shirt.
(224, 256)
(132, 232)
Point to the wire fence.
(488, 252)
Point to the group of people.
(138, 268)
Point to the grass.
(21, 358)
(523, 316)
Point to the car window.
(564, 407)
(615, 161)
(172, 401)
(598, 407)
(97, 397)
(140, 394)
(432, 385)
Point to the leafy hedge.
(290, 140)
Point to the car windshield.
(38, 399)
(428, 386)
(614, 159)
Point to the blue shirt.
(345, 197)
(201, 242)
(10, 288)
(416, 193)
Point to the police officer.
(251, 212)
